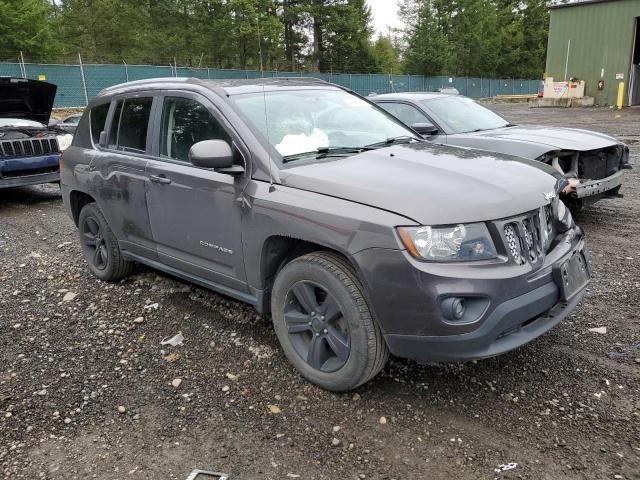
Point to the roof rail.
(150, 81)
(145, 81)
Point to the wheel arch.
(77, 200)
(279, 250)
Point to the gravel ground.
(87, 390)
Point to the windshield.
(18, 122)
(304, 121)
(462, 115)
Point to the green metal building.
(595, 40)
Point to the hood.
(26, 99)
(431, 184)
(531, 141)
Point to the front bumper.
(512, 324)
(519, 308)
(17, 172)
(597, 187)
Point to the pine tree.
(26, 26)
(427, 46)
(503, 38)
(386, 55)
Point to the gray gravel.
(88, 391)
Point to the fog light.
(453, 308)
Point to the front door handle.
(160, 179)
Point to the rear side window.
(98, 119)
(130, 125)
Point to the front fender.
(337, 224)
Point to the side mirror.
(216, 155)
(425, 129)
(102, 141)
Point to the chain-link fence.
(78, 84)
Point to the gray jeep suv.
(311, 203)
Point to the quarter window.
(184, 123)
(130, 124)
(98, 120)
(406, 113)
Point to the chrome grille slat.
(529, 240)
(527, 237)
(17, 147)
(26, 147)
(513, 243)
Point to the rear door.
(195, 213)
(121, 163)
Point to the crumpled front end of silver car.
(591, 172)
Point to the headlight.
(64, 141)
(455, 243)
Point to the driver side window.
(184, 123)
(407, 114)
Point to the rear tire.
(324, 323)
(100, 246)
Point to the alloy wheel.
(316, 327)
(95, 244)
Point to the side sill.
(257, 298)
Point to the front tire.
(100, 246)
(324, 323)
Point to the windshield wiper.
(391, 141)
(324, 152)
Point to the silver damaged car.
(592, 162)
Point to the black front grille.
(527, 238)
(28, 147)
(599, 164)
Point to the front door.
(410, 115)
(194, 213)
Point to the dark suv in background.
(311, 203)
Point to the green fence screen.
(77, 86)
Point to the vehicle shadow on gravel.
(34, 195)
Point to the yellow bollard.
(620, 95)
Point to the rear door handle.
(160, 179)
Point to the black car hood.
(531, 141)
(432, 184)
(28, 99)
